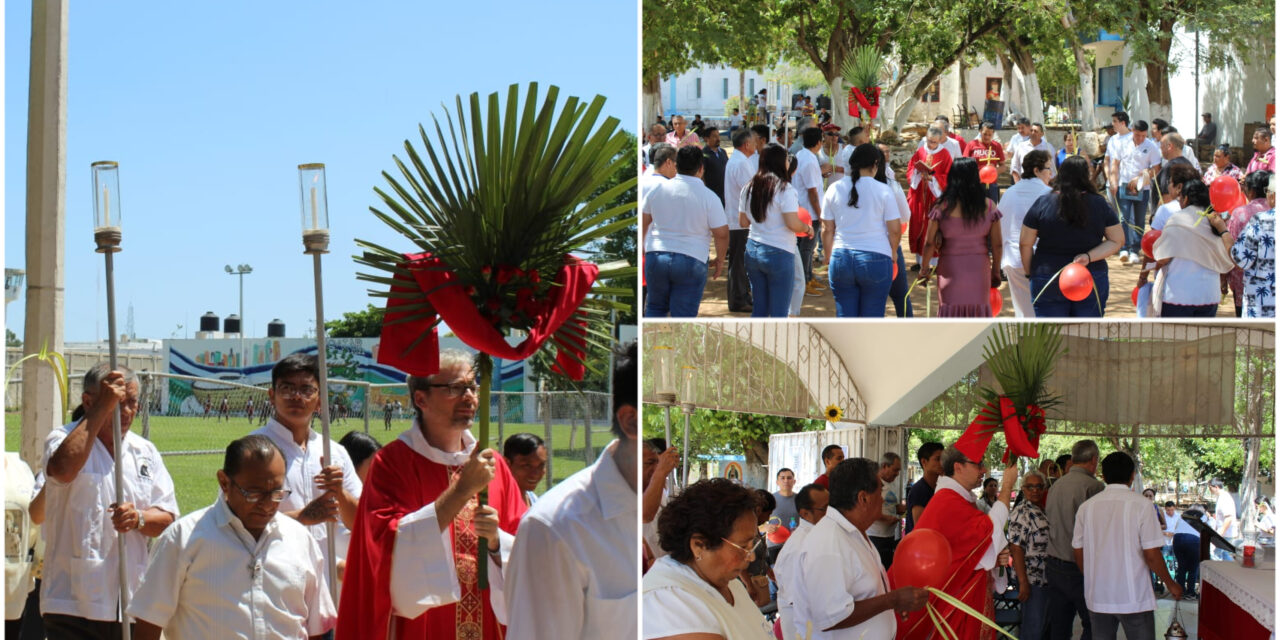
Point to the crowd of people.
(769, 205)
(1071, 542)
(408, 529)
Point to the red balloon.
(923, 559)
(1134, 296)
(1076, 282)
(987, 174)
(1224, 191)
(779, 535)
(777, 628)
(806, 218)
(1149, 242)
(997, 301)
(895, 269)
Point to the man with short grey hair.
(885, 530)
(1066, 582)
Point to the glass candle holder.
(664, 375)
(688, 383)
(314, 201)
(107, 218)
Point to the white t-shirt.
(1226, 508)
(861, 228)
(209, 578)
(737, 173)
(1113, 528)
(1024, 147)
(1162, 214)
(1014, 204)
(773, 231)
(840, 566)
(1014, 140)
(1134, 158)
(808, 176)
(684, 212)
(735, 120)
(842, 159)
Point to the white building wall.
(976, 97)
(711, 104)
(1236, 95)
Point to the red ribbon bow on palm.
(1021, 435)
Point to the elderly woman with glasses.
(710, 534)
(1028, 546)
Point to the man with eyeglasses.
(320, 491)
(237, 568)
(977, 540)
(1028, 546)
(79, 590)
(411, 567)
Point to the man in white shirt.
(842, 587)
(1116, 542)
(320, 491)
(1224, 517)
(735, 122)
(662, 169)
(737, 174)
(80, 587)
(238, 568)
(681, 219)
(1022, 134)
(1014, 205)
(811, 506)
(808, 184)
(657, 133)
(573, 569)
(885, 531)
(1134, 161)
(1035, 142)
(948, 142)
(857, 136)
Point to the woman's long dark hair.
(965, 190)
(1196, 192)
(864, 155)
(1073, 186)
(768, 180)
(1255, 185)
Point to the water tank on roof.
(275, 328)
(231, 324)
(209, 322)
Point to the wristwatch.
(142, 522)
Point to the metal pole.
(242, 325)
(684, 446)
(116, 437)
(331, 529)
(666, 418)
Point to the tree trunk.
(1249, 481)
(902, 111)
(652, 101)
(1160, 104)
(1088, 115)
(742, 92)
(1035, 102)
(754, 472)
(1006, 88)
(964, 96)
(840, 104)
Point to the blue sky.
(210, 107)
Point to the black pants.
(739, 286)
(886, 547)
(1066, 599)
(61, 627)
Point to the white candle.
(106, 208)
(315, 224)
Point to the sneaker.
(1124, 255)
(817, 284)
(1135, 259)
(811, 291)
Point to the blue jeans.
(1066, 599)
(1035, 614)
(1133, 212)
(860, 281)
(1186, 549)
(675, 285)
(772, 272)
(898, 291)
(1052, 304)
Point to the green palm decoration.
(862, 68)
(501, 194)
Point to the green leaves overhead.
(1021, 357)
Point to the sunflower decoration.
(833, 413)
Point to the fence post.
(368, 395)
(546, 420)
(502, 415)
(146, 383)
(586, 420)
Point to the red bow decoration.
(450, 302)
(1021, 436)
(869, 104)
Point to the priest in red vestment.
(976, 538)
(411, 567)
(927, 172)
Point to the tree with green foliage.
(728, 432)
(357, 324)
(11, 340)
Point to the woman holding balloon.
(1076, 232)
(1192, 252)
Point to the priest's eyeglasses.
(277, 495)
(457, 389)
(751, 551)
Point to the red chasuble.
(920, 199)
(969, 531)
(400, 482)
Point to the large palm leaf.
(501, 193)
(1021, 358)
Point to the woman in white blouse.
(694, 593)
(1192, 252)
(769, 210)
(860, 228)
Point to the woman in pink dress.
(962, 227)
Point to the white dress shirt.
(808, 176)
(684, 212)
(998, 513)
(301, 466)
(1113, 528)
(1223, 509)
(1014, 204)
(208, 578)
(1024, 147)
(786, 569)
(81, 566)
(839, 566)
(574, 566)
(423, 572)
(737, 173)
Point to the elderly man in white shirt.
(811, 506)
(843, 589)
(1117, 541)
(681, 218)
(1014, 204)
(737, 174)
(572, 573)
(80, 589)
(1034, 142)
(238, 568)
